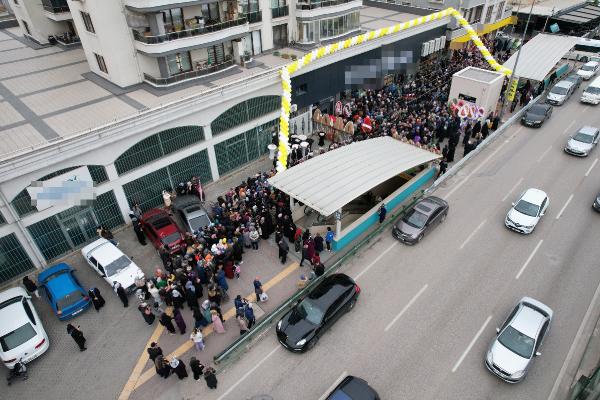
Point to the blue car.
(64, 293)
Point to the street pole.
(547, 18)
(513, 76)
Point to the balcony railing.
(184, 76)
(318, 4)
(280, 11)
(253, 17)
(199, 30)
(56, 9)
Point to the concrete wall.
(40, 26)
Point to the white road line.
(512, 189)
(569, 127)
(544, 153)
(247, 374)
(529, 259)
(458, 185)
(406, 307)
(472, 234)
(460, 360)
(563, 369)
(565, 206)
(592, 166)
(335, 383)
(368, 267)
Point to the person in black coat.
(178, 368)
(96, 297)
(77, 336)
(31, 286)
(146, 312)
(167, 321)
(121, 293)
(162, 366)
(197, 368)
(154, 351)
(210, 377)
(137, 228)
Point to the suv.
(560, 93)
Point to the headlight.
(518, 374)
(301, 342)
(489, 357)
(527, 226)
(279, 325)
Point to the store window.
(179, 63)
(14, 261)
(500, 11)
(244, 112)
(280, 36)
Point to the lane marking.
(529, 259)
(406, 307)
(472, 234)
(335, 383)
(592, 166)
(512, 189)
(457, 186)
(544, 153)
(137, 378)
(569, 127)
(375, 261)
(571, 352)
(247, 374)
(479, 332)
(565, 206)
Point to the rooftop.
(548, 7)
(50, 94)
(478, 74)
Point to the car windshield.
(310, 312)
(587, 68)
(517, 342)
(199, 222)
(415, 218)
(116, 266)
(69, 300)
(592, 90)
(14, 339)
(173, 237)
(584, 138)
(527, 208)
(160, 223)
(558, 90)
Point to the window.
(338, 26)
(87, 21)
(26, 26)
(179, 63)
(101, 63)
(306, 32)
(173, 19)
(500, 10)
(488, 14)
(477, 15)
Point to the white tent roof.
(540, 55)
(330, 181)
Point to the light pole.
(547, 18)
(514, 76)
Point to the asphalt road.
(427, 313)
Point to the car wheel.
(419, 238)
(443, 218)
(312, 343)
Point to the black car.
(353, 388)
(536, 115)
(596, 204)
(420, 219)
(300, 329)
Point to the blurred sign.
(75, 188)
(338, 108)
(512, 90)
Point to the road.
(427, 313)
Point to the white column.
(113, 178)
(338, 224)
(212, 157)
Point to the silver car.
(583, 141)
(560, 93)
(192, 212)
(518, 340)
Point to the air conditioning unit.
(443, 42)
(437, 44)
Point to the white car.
(22, 336)
(588, 70)
(110, 262)
(583, 142)
(527, 211)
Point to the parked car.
(192, 212)
(560, 93)
(583, 142)
(300, 329)
(63, 291)
(110, 263)
(22, 336)
(576, 79)
(591, 94)
(536, 115)
(420, 220)
(588, 70)
(596, 203)
(353, 388)
(518, 341)
(162, 230)
(525, 214)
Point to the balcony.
(200, 71)
(197, 36)
(254, 17)
(278, 12)
(56, 10)
(145, 6)
(315, 9)
(318, 4)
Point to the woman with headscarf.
(197, 338)
(162, 366)
(178, 368)
(216, 321)
(210, 377)
(96, 297)
(197, 368)
(179, 321)
(77, 336)
(147, 313)
(167, 321)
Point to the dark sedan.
(536, 115)
(300, 329)
(353, 388)
(420, 220)
(596, 204)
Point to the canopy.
(540, 55)
(330, 181)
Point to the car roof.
(52, 270)
(12, 316)
(528, 321)
(104, 252)
(591, 63)
(534, 196)
(330, 289)
(429, 205)
(354, 387)
(588, 130)
(564, 84)
(62, 285)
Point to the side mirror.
(497, 330)
(513, 204)
(537, 353)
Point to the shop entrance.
(80, 227)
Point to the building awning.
(487, 28)
(330, 181)
(540, 55)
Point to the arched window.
(244, 112)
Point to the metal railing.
(253, 17)
(280, 11)
(56, 9)
(140, 37)
(319, 4)
(188, 75)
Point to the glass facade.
(179, 63)
(157, 146)
(14, 261)
(306, 32)
(244, 112)
(338, 26)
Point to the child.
(329, 238)
(238, 269)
